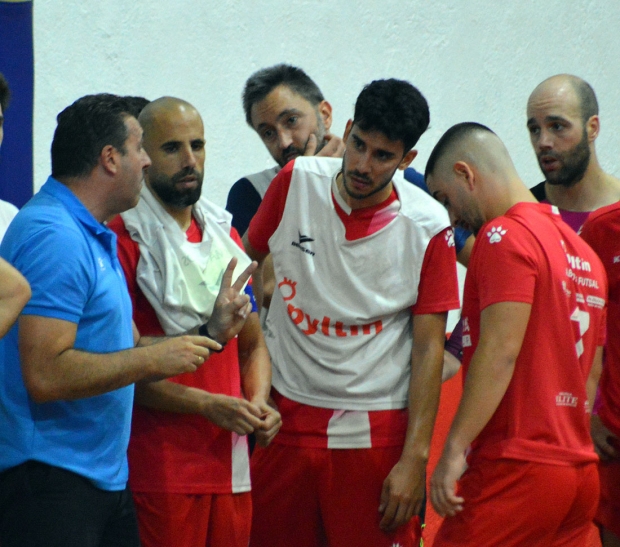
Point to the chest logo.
(450, 238)
(303, 239)
(495, 234)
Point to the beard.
(166, 188)
(574, 164)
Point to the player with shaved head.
(533, 311)
(188, 454)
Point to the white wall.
(474, 60)
(478, 61)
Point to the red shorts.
(608, 514)
(516, 503)
(314, 497)
(194, 520)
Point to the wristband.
(204, 331)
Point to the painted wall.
(474, 60)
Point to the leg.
(122, 526)
(608, 514)
(46, 505)
(172, 519)
(284, 496)
(350, 498)
(231, 520)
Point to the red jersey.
(602, 233)
(181, 453)
(530, 255)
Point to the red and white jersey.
(340, 321)
(602, 233)
(182, 453)
(530, 255)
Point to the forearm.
(594, 376)
(169, 396)
(254, 361)
(14, 294)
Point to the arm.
(403, 489)
(257, 279)
(53, 369)
(606, 444)
(256, 378)
(502, 328)
(333, 146)
(14, 293)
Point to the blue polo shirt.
(70, 261)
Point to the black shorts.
(42, 505)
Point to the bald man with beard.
(563, 121)
(533, 311)
(188, 454)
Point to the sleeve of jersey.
(506, 270)
(128, 255)
(269, 214)
(438, 291)
(248, 288)
(243, 201)
(60, 280)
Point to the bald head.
(569, 89)
(174, 140)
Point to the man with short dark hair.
(563, 121)
(69, 364)
(188, 455)
(533, 324)
(365, 274)
(292, 118)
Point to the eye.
(557, 126)
(292, 121)
(198, 145)
(267, 134)
(534, 129)
(170, 147)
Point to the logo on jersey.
(495, 234)
(450, 238)
(616, 259)
(101, 263)
(564, 398)
(325, 326)
(303, 239)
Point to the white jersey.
(262, 180)
(339, 329)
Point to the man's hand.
(232, 413)
(333, 148)
(232, 306)
(179, 354)
(443, 484)
(402, 494)
(271, 422)
(605, 442)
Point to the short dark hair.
(264, 81)
(5, 93)
(84, 129)
(395, 108)
(586, 97)
(136, 104)
(449, 138)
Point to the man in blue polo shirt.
(68, 365)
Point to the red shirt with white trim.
(530, 255)
(602, 232)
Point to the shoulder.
(314, 165)
(419, 207)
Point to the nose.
(364, 165)
(545, 141)
(146, 160)
(189, 158)
(285, 139)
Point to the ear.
(407, 159)
(464, 172)
(325, 111)
(109, 159)
(347, 130)
(593, 126)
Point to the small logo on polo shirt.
(564, 398)
(101, 263)
(450, 238)
(303, 239)
(495, 234)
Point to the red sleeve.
(506, 264)
(269, 214)
(438, 290)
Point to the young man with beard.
(533, 322)
(563, 121)
(188, 455)
(365, 273)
